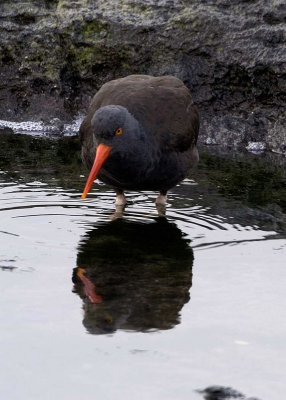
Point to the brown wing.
(163, 106)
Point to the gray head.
(112, 123)
(115, 131)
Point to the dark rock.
(55, 54)
(223, 393)
(6, 131)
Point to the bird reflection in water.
(133, 276)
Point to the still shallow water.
(138, 307)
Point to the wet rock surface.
(54, 55)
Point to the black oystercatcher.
(140, 133)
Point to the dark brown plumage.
(149, 128)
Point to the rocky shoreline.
(55, 54)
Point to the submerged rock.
(56, 53)
(223, 393)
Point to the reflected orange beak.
(89, 287)
(102, 153)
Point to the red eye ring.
(118, 131)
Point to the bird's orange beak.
(102, 153)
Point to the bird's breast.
(123, 171)
(142, 173)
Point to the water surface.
(142, 307)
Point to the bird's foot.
(161, 209)
(120, 200)
(118, 213)
(161, 200)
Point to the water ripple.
(36, 199)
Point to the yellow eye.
(118, 131)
